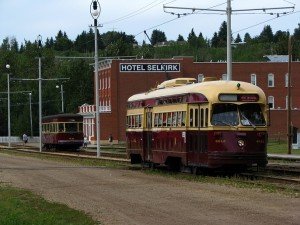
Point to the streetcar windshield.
(71, 127)
(230, 115)
(225, 114)
(251, 115)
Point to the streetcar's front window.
(71, 127)
(251, 115)
(225, 115)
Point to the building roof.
(277, 58)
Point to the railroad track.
(274, 173)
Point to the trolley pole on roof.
(95, 10)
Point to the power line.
(265, 21)
(137, 12)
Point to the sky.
(26, 19)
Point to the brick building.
(119, 79)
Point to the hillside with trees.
(22, 58)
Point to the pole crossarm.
(47, 79)
(232, 10)
(16, 92)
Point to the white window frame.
(253, 79)
(271, 79)
(286, 80)
(271, 99)
(224, 76)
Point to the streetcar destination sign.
(149, 67)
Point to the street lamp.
(30, 114)
(95, 10)
(62, 96)
(39, 41)
(8, 106)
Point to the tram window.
(206, 117)
(160, 120)
(196, 117)
(169, 119)
(251, 115)
(191, 117)
(179, 116)
(80, 127)
(174, 118)
(61, 127)
(164, 119)
(225, 115)
(183, 118)
(137, 121)
(156, 120)
(71, 127)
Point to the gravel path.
(130, 197)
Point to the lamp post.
(95, 13)
(30, 114)
(8, 107)
(39, 40)
(62, 96)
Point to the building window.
(108, 82)
(253, 79)
(200, 78)
(286, 80)
(224, 76)
(270, 80)
(271, 102)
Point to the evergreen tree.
(222, 35)
(158, 36)
(238, 39)
(215, 40)
(180, 38)
(192, 39)
(266, 35)
(297, 32)
(247, 38)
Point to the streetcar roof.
(210, 89)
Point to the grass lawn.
(20, 207)
(277, 147)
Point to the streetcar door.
(197, 135)
(148, 136)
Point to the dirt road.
(130, 197)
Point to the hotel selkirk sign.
(149, 67)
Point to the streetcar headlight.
(241, 143)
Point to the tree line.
(79, 88)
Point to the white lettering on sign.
(149, 67)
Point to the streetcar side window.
(206, 117)
(174, 119)
(196, 117)
(201, 118)
(169, 119)
(61, 127)
(191, 117)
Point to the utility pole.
(229, 50)
(289, 127)
(229, 12)
(39, 40)
(95, 10)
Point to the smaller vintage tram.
(62, 131)
(210, 124)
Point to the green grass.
(280, 147)
(20, 207)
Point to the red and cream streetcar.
(210, 124)
(62, 131)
